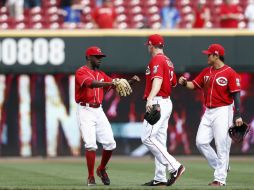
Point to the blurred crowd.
(123, 14)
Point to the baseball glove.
(154, 115)
(123, 88)
(237, 133)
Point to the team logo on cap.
(222, 81)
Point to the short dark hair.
(159, 46)
(222, 58)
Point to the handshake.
(123, 87)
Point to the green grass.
(124, 172)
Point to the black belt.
(92, 105)
(211, 107)
(162, 97)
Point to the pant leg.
(160, 169)
(149, 137)
(204, 138)
(87, 124)
(223, 120)
(104, 133)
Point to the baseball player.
(160, 77)
(221, 88)
(90, 84)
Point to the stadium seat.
(130, 14)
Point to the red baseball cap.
(215, 49)
(94, 51)
(154, 40)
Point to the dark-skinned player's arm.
(133, 80)
(99, 84)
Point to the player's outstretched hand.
(182, 81)
(134, 79)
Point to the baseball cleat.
(175, 175)
(216, 183)
(155, 183)
(103, 175)
(91, 181)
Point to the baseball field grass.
(125, 173)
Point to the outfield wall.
(62, 51)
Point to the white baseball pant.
(94, 126)
(154, 140)
(215, 124)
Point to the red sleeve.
(156, 68)
(199, 80)
(107, 79)
(234, 82)
(174, 80)
(83, 78)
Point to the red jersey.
(161, 67)
(227, 10)
(104, 17)
(83, 80)
(217, 85)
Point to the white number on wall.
(26, 51)
(56, 51)
(9, 51)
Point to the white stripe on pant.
(152, 139)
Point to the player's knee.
(198, 144)
(91, 149)
(109, 146)
(91, 146)
(146, 141)
(201, 145)
(143, 140)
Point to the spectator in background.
(170, 15)
(32, 3)
(99, 2)
(16, 8)
(202, 16)
(249, 14)
(104, 16)
(72, 12)
(2, 3)
(229, 14)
